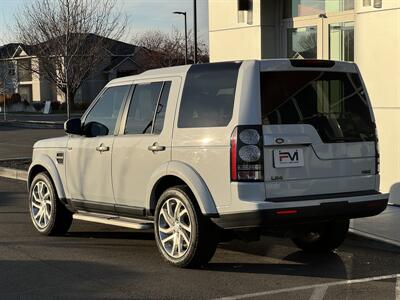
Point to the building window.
(299, 8)
(25, 91)
(366, 3)
(378, 3)
(245, 11)
(24, 70)
(11, 69)
(302, 42)
(341, 41)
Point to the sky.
(143, 15)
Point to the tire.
(325, 238)
(48, 214)
(178, 245)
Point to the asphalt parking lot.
(53, 117)
(17, 142)
(102, 262)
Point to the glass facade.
(302, 42)
(300, 8)
(341, 41)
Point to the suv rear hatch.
(319, 132)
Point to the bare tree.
(8, 82)
(168, 49)
(68, 38)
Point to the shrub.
(38, 106)
(55, 105)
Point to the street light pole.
(195, 29)
(186, 37)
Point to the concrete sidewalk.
(384, 227)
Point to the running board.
(114, 220)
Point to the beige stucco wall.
(230, 39)
(377, 50)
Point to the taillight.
(247, 154)
(377, 154)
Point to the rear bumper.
(288, 215)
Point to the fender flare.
(45, 161)
(192, 179)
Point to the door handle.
(102, 148)
(156, 147)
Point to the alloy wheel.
(41, 204)
(174, 228)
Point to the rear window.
(208, 95)
(334, 103)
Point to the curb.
(41, 122)
(14, 174)
(33, 124)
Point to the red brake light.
(247, 159)
(286, 212)
(234, 155)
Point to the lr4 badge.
(288, 158)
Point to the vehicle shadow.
(122, 235)
(356, 258)
(299, 263)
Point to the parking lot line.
(319, 293)
(317, 286)
(398, 288)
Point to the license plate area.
(288, 158)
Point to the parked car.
(202, 152)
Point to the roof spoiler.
(312, 63)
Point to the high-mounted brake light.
(312, 63)
(247, 159)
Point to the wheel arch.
(179, 173)
(44, 164)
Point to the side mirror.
(93, 129)
(73, 126)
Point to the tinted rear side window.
(142, 108)
(208, 95)
(161, 108)
(334, 103)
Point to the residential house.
(120, 59)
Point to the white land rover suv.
(201, 151)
